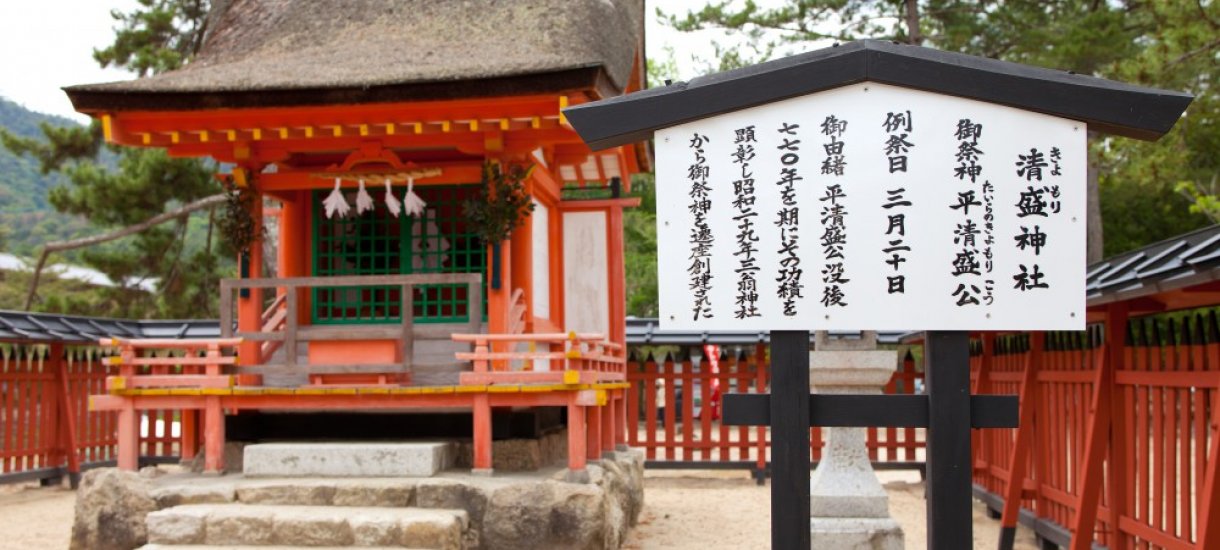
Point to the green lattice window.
(376, 243)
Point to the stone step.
(416, 459)
(271, 525)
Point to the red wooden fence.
(664, 392)
(1142, 474)
(46, 428)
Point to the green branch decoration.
(500, 206)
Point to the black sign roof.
(1105, 105)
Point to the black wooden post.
(790, 439)
(947, 365)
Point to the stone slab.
(310, 526)
(418, 459)
(855, 534)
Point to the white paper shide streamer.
(391, 202)
(364, 202)
(335, 203)
(411, 202)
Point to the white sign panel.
(872, 207)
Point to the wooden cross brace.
(870, 411)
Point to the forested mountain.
(27, 220)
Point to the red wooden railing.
(1142, 473)
(669, 440)
(46, 428)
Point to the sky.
(48, 44)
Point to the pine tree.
(157, 36)
(1170, 44)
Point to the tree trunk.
(1094, 249)
(206, 202)
(914, 36)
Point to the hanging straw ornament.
(364, 202)
(335, 203)
(411, 202)
(391, 202)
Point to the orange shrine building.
(359, 135)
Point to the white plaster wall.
(542, 261)
(585, 286)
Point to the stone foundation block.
(346, 459)
(855, 534)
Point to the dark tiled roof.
(43, 327)
(1107, 106)
(1183, 261)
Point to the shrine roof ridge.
(1105, 105)
(266, 54)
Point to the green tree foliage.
(1167, 43)
(158, 35)
(640, 249)
(25, 214)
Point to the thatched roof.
(273, 52)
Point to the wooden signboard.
(872, 207)
(875, 186)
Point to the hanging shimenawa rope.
(335, 203)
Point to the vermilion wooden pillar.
(250, 306)
(1117, 317)
(1097, 434)
(617, 275)
(593, 426)
(1021, 457)
(1209, 499)
(128, 429)
(482, 442)
(213, 436)
(576, 437)
(66, 411)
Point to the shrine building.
(359, 132)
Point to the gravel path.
(684, 510)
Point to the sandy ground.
(35, 518)
(696, 510)
(699, 510)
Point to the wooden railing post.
(408, 325)
(1097, 434)
(290, 326)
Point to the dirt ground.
(695, 510)
(700, 510)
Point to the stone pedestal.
(848, 506)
